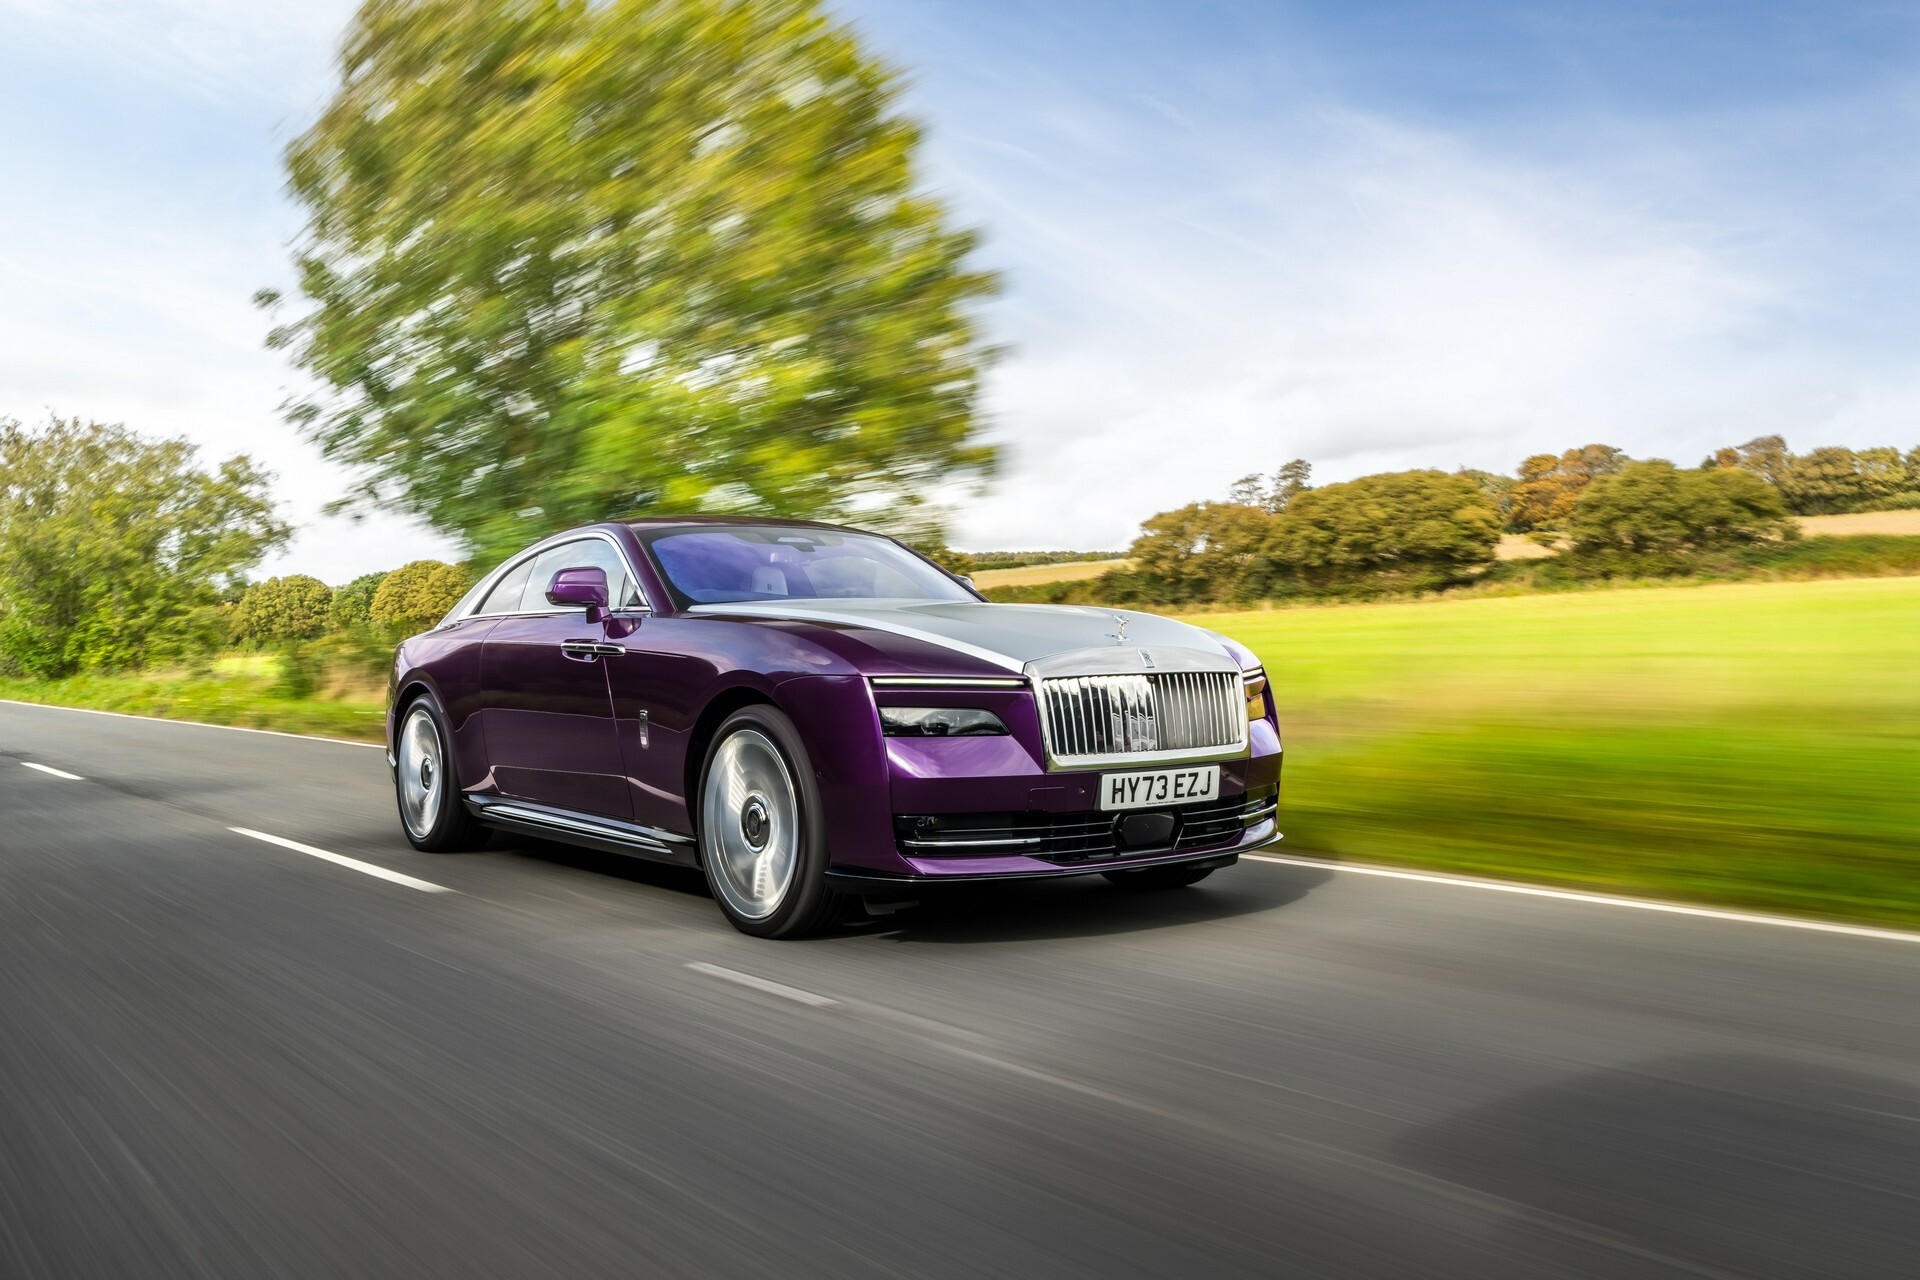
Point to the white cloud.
(1381, 297)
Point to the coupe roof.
(692, 521)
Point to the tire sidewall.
(808, 891)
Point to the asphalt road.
(224, 1057)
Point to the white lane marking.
(1597, 899)
(58, 773)
(196, 724)
(366, 868)
(767, 985)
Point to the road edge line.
(1596, 899)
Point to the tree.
(1548, 487)
(1272, 494)
(416, 596)
(115, 549)
(1764, 456)
(280, 609)
(582, 257)
(1202, 551)
(1823, 482)
(1652, 515)
(1411, 526)
(352, 606)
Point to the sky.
(1373, 235)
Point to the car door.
(548, 713)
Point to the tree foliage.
(1544, 495)
(1651, 515)
(114, 548)
(352, 607)
(1273, 493)
(1409, 526)
(296, 607)
(417, 595)
(1203, 551)
(580, 257)
(1830, 480)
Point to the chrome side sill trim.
(623, 837)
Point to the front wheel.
(763, 841)
(425, 785)
(1146, 878)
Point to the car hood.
(1010, 636)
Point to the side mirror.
(585, 587)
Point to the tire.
(1151, 878)
(425, 785)
(763, 838)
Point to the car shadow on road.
(639, 871)
(1711, 1164)
(1088, 906)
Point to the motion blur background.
(1542, 302)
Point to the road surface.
(224, 1056)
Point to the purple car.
(816, 716)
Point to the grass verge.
(1745, 745)
(237, 691)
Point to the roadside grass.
(1752, 745)
(238, 690)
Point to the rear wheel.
(426, 786)
(763, 840)
(1146, 878)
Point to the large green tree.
(573, 258)
(114, 549)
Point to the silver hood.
(1029, 639)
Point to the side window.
(586, 553)
(505, 596)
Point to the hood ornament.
(1119, 632)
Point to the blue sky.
(1373, 235)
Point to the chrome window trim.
(487, 584)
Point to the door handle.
(590, 649)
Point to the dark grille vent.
(1073, 837)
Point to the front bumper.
(886, 884)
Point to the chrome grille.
(1162, 713)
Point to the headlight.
(1256, 693)
(939, 722)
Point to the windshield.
(724, 564)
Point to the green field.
(1757, 744)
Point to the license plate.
(1149, 787)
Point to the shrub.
(1652, 516)
(415, 596)
(281, 609)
